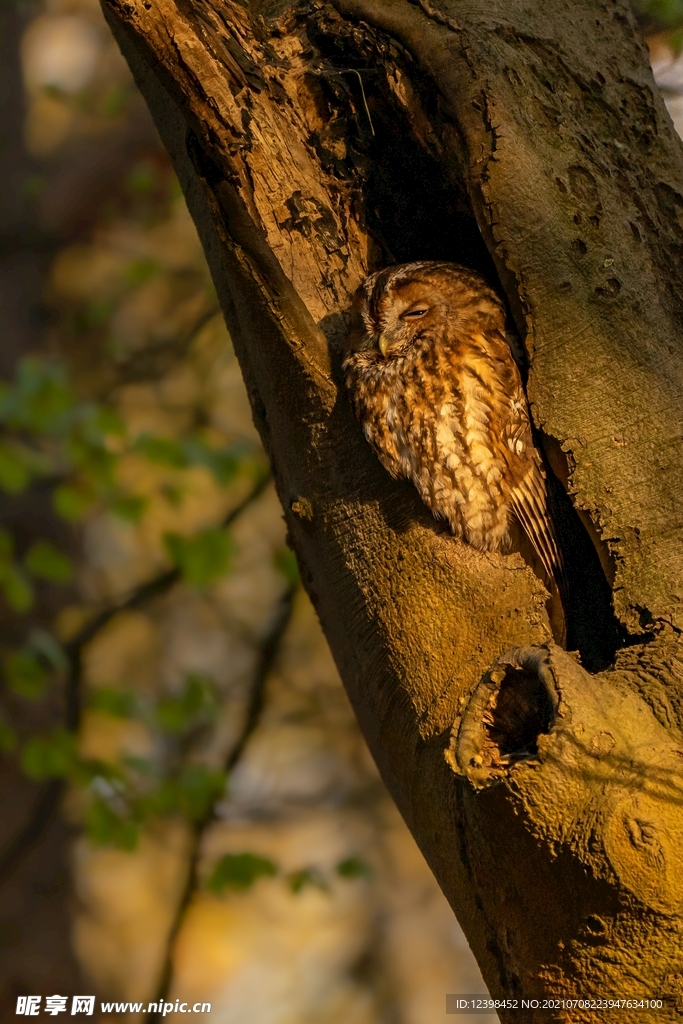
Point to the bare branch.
(267, 654)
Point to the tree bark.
(319, 141)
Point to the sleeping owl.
(439, 396)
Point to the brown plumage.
(440, 399)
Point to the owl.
(433, 382)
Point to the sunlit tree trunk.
(319, 141)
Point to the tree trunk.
(317, 142)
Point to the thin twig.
(179, 346)
(267, 654)
(353, 71)
(24, 840)
(365, 102)
(143, 593)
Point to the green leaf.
(114, 102)
(298, 880)
(53, 90)
(174, 495)
(129, 507)
(108, 423)
(202, 559)
(197, 789)
(40, 399)
(48, 648)
(15, 587)
(140, 271)
(106, 828)
(87, 771)
(8, 737)
(95, 315)
(162, 450)
(192, 793)
(71, 503)
(36, 462)
(170, 715)
(224, 463)
(353, 867)
(164, 800)
(14, 475)
(89, 455)
(175, 193)
(34, 186)
(197, 702)
(141, 179)
(50, 757)
(49, 563)
(26, 674)
(27, 671)
(239, 871)
(141, 765)
(286, 563)
(113, 701)
(658, 14)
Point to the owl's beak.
(384, 344)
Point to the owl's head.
(398, 305)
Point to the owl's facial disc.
(399, 324)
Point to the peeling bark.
(320, 141)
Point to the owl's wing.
(529, 491)
(529, 500)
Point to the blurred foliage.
(47, 432)
(51, 438)
(114, 702)
(14, 584)
(121, 797)
(8, 737)
(201, 559)
(661, 16)
(196, 705)
(298, 880)
(287, 565)
(25, 674)
(192, 450)
(27, 671)
(50, 757)
(61, 448)
(239, 871)
(47, 562)
(353, 867)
